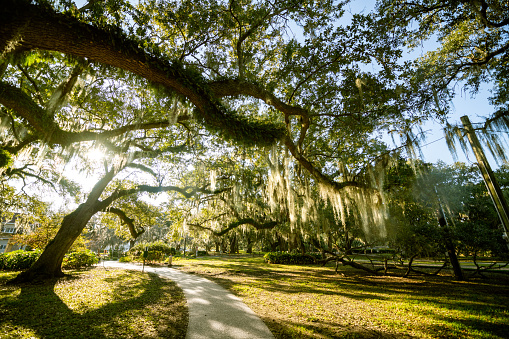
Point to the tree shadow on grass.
(39, 310)
(414, 306)
(464, 327)
(291, 329)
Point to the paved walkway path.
(214, 313)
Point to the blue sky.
(475, 108)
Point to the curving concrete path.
(214, 313)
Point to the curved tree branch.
(125, 220)
(28, 27)
(247, 221)
(43, 124)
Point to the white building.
(7, 230)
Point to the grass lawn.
(95, 303)
(314, 302)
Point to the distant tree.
(42, 230)
(473, 225)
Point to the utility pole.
(489, 178)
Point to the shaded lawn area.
(95, 303)
(314, 302)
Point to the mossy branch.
(28, 27)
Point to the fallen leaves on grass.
(314, 302)
(98, 303)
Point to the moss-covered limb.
(42, 123)
(27, 27)
(410, 269)
(357, 265)
(33, 82)
(61, 94)
(200, 226)
(22, 173)
(187, 192)
(315, 172)
(38, 120)
(21, 139)
(142, 168)
(247, 221)
(233, 87)
(234, 224)
(154, 153)
(125, 220)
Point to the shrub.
(157, 251)
(18, 260)
(200, 253)
(78, 259)
(127, 258)
(22, 260)
(291, 259)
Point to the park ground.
(294, 301)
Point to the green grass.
(294, 301)
(314, 302)
(96, 303)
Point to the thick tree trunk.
(49, 264)
(249, 241)
(273, 246)
(224, 245)
(131, 243)
(234, 247)
(302, 246)
(291, 242)
(348, 243)
(329, 242)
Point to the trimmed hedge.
(125, 259)
(291, 259)
(22, 260)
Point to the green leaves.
(291, 259)
(5, 158)
(472, 42)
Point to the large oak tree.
(239, 66)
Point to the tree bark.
(49, 264)
(28, 27)
(249, 240)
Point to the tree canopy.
(262, 114)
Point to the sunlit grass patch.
(314, 302)
(98, 303)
